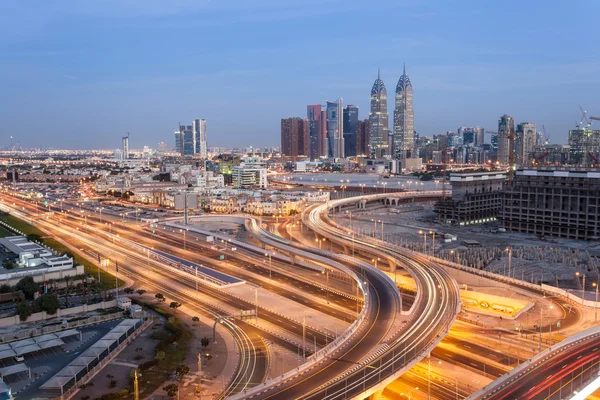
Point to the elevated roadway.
(553, 374)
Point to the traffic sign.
(221, 257)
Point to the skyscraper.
(404, 119)
(294, 137)
(199, 129)
(335, 128)
(363, 128)
(188, 141)
(526, 138)
(350, 123)
(378, 119)
(506, 129)
(317, 131)
(125, 152)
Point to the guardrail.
(319, 357)
(401, 355)
(517, 373)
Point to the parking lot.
(45, 363)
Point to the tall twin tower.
(402, 143)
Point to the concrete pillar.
(293, 259)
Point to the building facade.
(472, 136)
(525, 141)
(558, 202)
(584, 146)
(506, 131)
(350, 125)
(378, 120)
(476, 198)
(363, 129)
(317, 132)
(404, 120)
(125, 151)
(199, 131)
(294, 137)
(335, 128)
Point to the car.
(19, 358)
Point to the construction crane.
(595, 118)
(593, 157)
(546, 137)
(537, 160)
(583, 118)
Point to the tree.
(140, 291)
(160, 297)
(5, 288)
(205, 341)
(181, 371)
(47, 302)
(128, 290)
(171, 389)
(8, 264)
(28, 286)
(174, 305)
(23, 310)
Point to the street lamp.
(424, 240)
(582, 287)
(509, 249)
(595, 284)
(270, 266)
(304, 336)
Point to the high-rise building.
(378, 119)
(188, 141)
(363, 129)
(125, 152)
(404, 120)
(585, 146)
(294, 137)
(199, 129)
(335, 128)
(350, 123)
(179, 140)
(317, 131)
(494, 143)
(472, 136)
(506, 131)
(525, 141)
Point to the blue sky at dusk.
(80, 74)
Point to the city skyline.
(115, 64)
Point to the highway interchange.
(399, 341)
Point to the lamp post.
(582, 287)
(424, 240)
(595, 284)
(270, 267)
(433, 244)
(509, 249)
(304, 336)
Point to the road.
(545, 379)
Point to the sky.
(81, 74)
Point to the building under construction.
(561, 202)
(476, 197)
